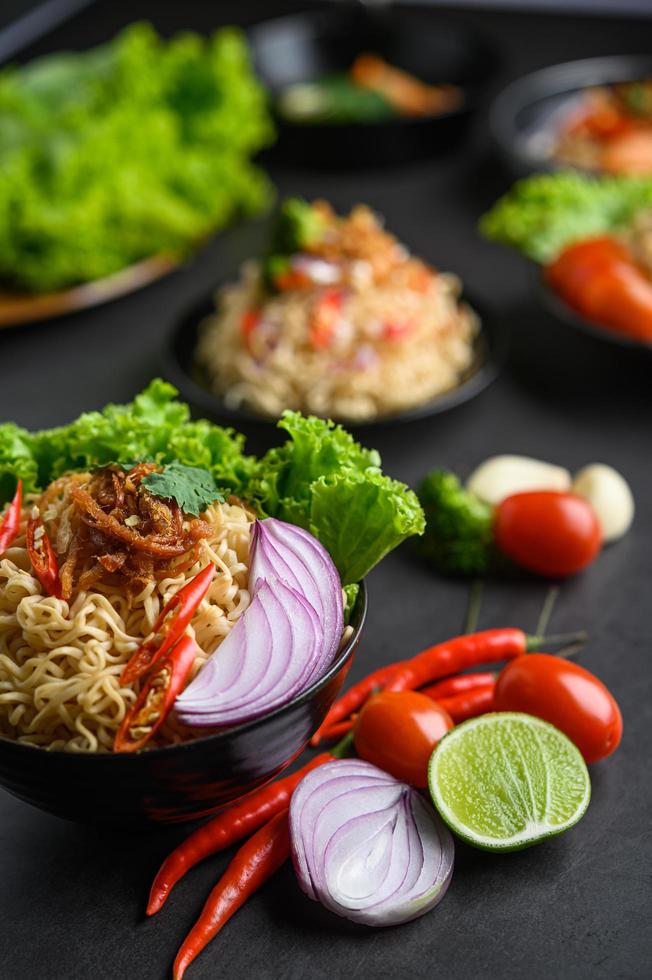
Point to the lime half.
(507, 780)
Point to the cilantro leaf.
(194, 489)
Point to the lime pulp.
(508, 780)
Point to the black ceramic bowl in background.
(524, 117)
(179, 367)
(305, 47)
(556, 307)
(181, 782)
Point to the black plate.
(305, 47)
(524, 116)
(180, 368)
(563, 313)
(178, 782)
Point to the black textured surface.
(72, 899)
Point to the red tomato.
(548, 532)
(567, 696)
(600, 278)
(397, 731)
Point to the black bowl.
(524, 116)
(556, 307)
(181, 782)
(179, 367)
(305, 47)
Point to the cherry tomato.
(397, 731)
(548, 532)
(567, 696)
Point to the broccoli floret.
(298, 226)
(459, 535)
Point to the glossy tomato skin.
(398, 730)
(567, 696)
(548, 532)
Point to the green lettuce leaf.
(542, 214)
(139, 147)
(320, 478)
(324, 481)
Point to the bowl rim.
(565, 76)
(359, 615)
(331, 20)
(491, 347)
(556, 306)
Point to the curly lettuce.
(320, 478)
(139, 147)
(542, 214)
(324, 481)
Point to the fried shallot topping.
(106, 527)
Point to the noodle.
(60, 663)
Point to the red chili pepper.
(487, 646)
(468, 704)
(252, 866)
(42, 556)
(249, 322)
(180, 610)
(11, 520)
(459, 684)
(324, 317)
(397, 330)
(292, 279)
(450, 657)
(155, 700)
(225, 829)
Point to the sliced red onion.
(285, 551)
(273, 652)
(321, 271)
(367, 846)
(283, 641)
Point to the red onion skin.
(367, 846)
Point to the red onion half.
(283, 641)
(367, 846)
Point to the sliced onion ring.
(285, 551)
(284, 640)
(367, 846)
(271, 654)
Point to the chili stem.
(342, 748)
(546, 610)
(474, 605)
(556, 640)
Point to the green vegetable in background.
(459, 526)
(543, 214)
(333, 99)
(324, 481)
(320, 479)
(138, 147)
(298, 225)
